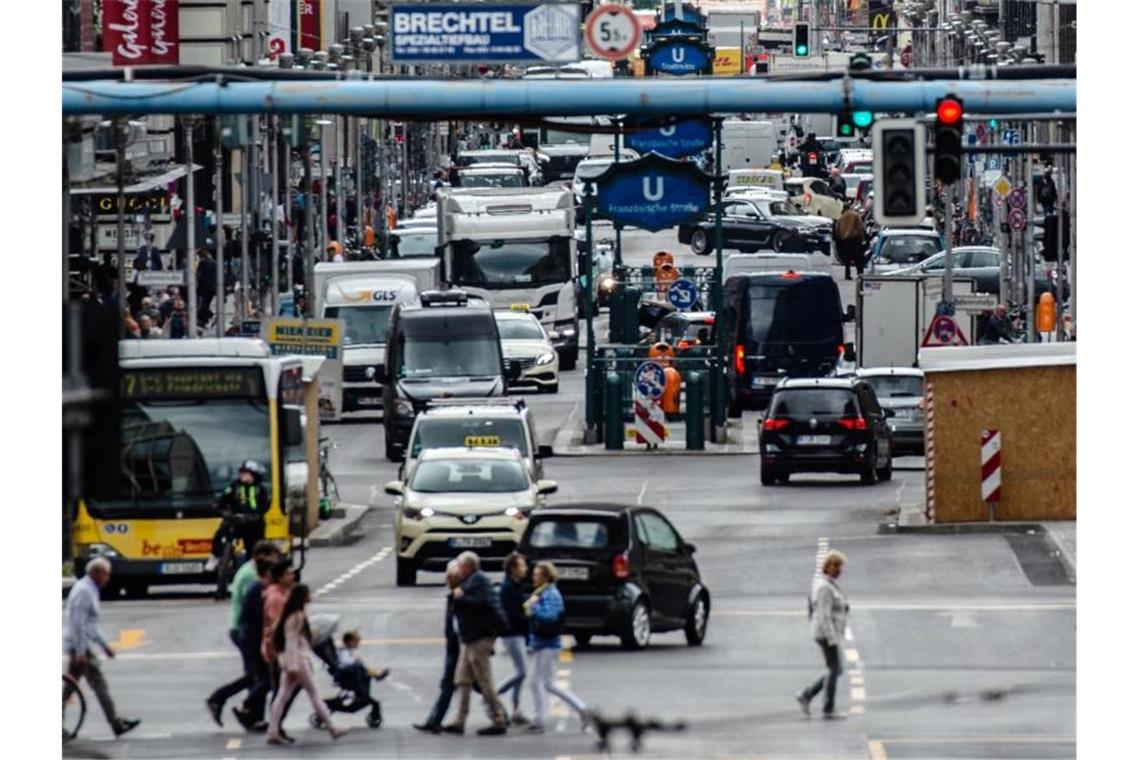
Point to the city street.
(952, 650)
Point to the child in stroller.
(348, 672)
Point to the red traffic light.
(949, 110)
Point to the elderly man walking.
(81, 634)
(480, 620)
(828, 624)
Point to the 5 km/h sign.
(612, 31)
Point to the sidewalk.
(337, 531)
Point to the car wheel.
(867, 476)
(582, 640)
(886, 471)
(781, 242)
(393, 453)
(551, 388)
(698, 621)
(767, 477)
(567, 361)
(700, 241)
(637, 628)
(405, 572)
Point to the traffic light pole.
(948, 225)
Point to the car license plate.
(763, 382)
(181, 568)
(469, 542)
(813, 440)
(369, 401)
(904, 414)
(574, 573)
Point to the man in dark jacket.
(811, 158)
(207, 276)
(243, 504)
(480, 619)
(434, 721)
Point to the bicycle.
(233, 552)
(325, 474)
(74, 708)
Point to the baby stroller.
(355, 693)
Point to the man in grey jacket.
(81, 635)
(828, 624)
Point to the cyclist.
(243, 506)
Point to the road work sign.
(485, 32)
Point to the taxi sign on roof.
(472, 441)
(524, 307)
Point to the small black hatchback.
(622, 570)
(824, 425)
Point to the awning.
(144, 185)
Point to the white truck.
(515, 247)
(362, 293)
(892, 315)
(748, 144)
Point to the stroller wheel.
(375, 719)
(316, 722)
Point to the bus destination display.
(168, 383)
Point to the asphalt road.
(952, 651)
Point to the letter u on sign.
(650, 193)
(678, 54)
(668, 131)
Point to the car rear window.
(895, 386)
(443, 432)
(572, 533)
(815, 402)
(807, 312)
(908, 250)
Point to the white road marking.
(852, 654)
(858, 694)
(856, 709)
(641, 493)
(847, 633)
(353, 571)
(401, 686)
(233, 744)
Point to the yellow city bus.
(191, 412)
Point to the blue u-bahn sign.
(679, 56)
(685, 137)
(653, 192)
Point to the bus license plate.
(181, 568)
(469, 542)
(370, 401)
(813, 440)
(574, 573)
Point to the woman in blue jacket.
(546, 612)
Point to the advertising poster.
(313, 337)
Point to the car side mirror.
(849, 313)
(545, 452)
(294, 430)
(546, 487)
(394, 487)
(690, 548)
(848, 352)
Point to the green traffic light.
(845, 130)
(862, 119)
(801, 50)
(993, 123)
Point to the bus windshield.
(511, 264)
(182, 453)
(362, 324)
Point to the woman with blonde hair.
(547, 612)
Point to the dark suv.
(623, 570)
(825, 425)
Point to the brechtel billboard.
(485, 32)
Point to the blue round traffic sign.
(650, 379)
(683, 294)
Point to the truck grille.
(356, 374)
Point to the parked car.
(489, 175)
(900, 247)
(623, 570)
(460, 499)
(825, 425)
(900, 389)
(983, 264)
(814, 196)
(747, 227)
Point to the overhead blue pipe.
(657, 97)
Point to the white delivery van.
(748, 144)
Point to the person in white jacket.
(828, 622)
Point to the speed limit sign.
(612, 32)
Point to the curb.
(1067, 558)
(336, 532)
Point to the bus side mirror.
(294, 430)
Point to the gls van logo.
(373, 295)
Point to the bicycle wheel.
(225, 572)
(74, 708)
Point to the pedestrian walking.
(251, 713)
(292, 640)
(837, 184)
(207, 285)
(850, 240)
(246, 575)
(547, 612)
(282, 578)
(434, 721)
(81, 635)
(512, 596)
(480, 619)
(828, 611)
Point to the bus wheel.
(135, 589)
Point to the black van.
(776, 326)
(443, 347)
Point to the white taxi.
(523, 340)
(460, 499)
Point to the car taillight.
(853, 423)
(776, 423)
(841, 349)
(739, 361)
(620, 566)
(683, 343)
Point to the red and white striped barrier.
(991, 465)
(928, 432)
(649, 421)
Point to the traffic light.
(845, 125)
(800, 45)
(948, 140)
(900, 171)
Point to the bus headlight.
(99, 550)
